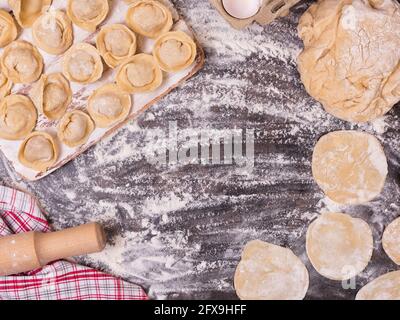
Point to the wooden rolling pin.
(28, 251)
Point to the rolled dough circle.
(350, 166)
(391, 241)
(270, 272)
(339, 246)
(351, 57)
(386, 287)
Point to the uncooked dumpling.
(391, 241)
(339, 246)
(21, 62)
(386, 287)
(38, 151)
(270, 272)
(88, 14)
(349, 166)
(52, 95)
(18, 117)
(149, 18)
(140, 73)
(174, 51)
(5, 85)
(8, 29)
(52, 32)
(82, 64)
(116, 42)
(109, 105)
(27, 11)
(351, 60)
(75, 128)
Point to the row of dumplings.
(51, 94)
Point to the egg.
(242, 9)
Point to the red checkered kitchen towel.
(60, 280)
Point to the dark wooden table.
(179, 229)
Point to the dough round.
(116, 42)
(8, 29)
(108, 105)
(82, 64)
(149, 18)
(52, 95)
(386, 287)
(174, 51)
(88, 14)
(21, 62)
(18, 117)
(391, 241)
(270, 272)
(138, 74)
(38, 151)
(75, 128)
(339, 246)
(350, 166)
(351, 60)
(27, 11)
(52, 32)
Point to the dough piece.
(351, 60)
(88, 14)
(21, 62)
(82, 64)
(270, 272)
(5, 85)
(138, 74)
(339, 246)
(52, 32)
(52, 95)
(116, 42)
(8, 29)
(391, 241)
(149, 18)
(386, 287)
(38, 151)
(18, 117)
(108, 105)
(27, 11)
(349, 166)
(75, 128)
(174, 51)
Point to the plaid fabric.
(60, 280)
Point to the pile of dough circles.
(51, 95)
(339, 246)
(270, 272)
(386, 287)
(350, 166)
(351, 56)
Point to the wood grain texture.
(179, 230)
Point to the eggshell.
(242, 9)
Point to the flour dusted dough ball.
(351, 60)
(386, 287)
(339, 246)
(391, 241)
(349, 166)
(270, 272)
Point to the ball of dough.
(386, 287)
(339, 246)
(351, 59)
(270, 272)
(350, 166)
(391, 241)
